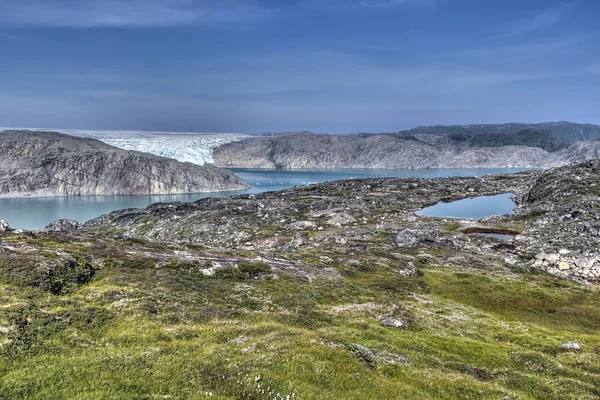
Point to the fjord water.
(31, 213)
(476, 207)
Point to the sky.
(337, 66)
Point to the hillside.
(328, 291)
(527, 148)
(54, 164)
(566, 131)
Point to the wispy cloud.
(595, 68)
(6, 37)
(328, 74)
(541, 20)
(526, 50)
(128, 13)
(373, 4)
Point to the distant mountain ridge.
(542, 139)
(53, 164)
(570, 132)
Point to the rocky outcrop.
(345, 207)
(4, 226)
(576, 153)
(538, 149)
(555, 228)
(564, 204)
(62, 225)
(53, 164)
(412, 238)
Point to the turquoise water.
(476, 208)
(31, 213)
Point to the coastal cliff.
(40, 164)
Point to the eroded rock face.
(53, 164)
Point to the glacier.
(193, 147)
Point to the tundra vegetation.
(310, 293)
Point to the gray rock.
(5, 227)
(411, 238)
(394, 322)
(297, 240)
(409, 270)
(341, 219)
(62, 225)
(563, 266)
(303, 225)
(570, 346)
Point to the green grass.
(137, 330)
(537, 298)
(451, 227)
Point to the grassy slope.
(142, 332)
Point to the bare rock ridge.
(567, 131)
(54, 164)
(526, 148)
(555, 227)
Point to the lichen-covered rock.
(363, 354)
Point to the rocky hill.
(564, 130)
(54, 164)
(557, 217)
(526, 148)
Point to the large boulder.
(412, 238)
(5, 227)
(62, 225)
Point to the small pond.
(472, 208)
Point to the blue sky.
(277, 65)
